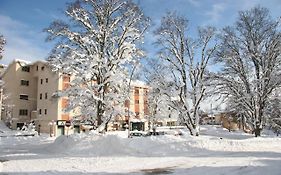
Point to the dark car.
(156, 133)
(138, 134)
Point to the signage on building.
(61, 122)
(68, 123)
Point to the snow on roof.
(138, 83)
(29, 62)
(40, 61)
(22, 61)
(135, 120)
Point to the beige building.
(30, 89)
(19, 87)
(136, 109)
(32, 96)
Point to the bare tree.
(7, 108)
(158, 96)
(95, 45)
(250, 57)
(187, 60)
(273, 114)
(2, 43)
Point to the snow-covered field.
(215, 152)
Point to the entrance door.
(60, 130)
(138, 126)
(76, 129)
(20, 125)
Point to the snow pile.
(114, 153)
(3, 127)
(116, 144)
(61, 144)
(7, 132)
(252, 144)
(113, 145)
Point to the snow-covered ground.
(27, 131)
(216, 151)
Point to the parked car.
(137, 133)
(174, 132)
(156, 133)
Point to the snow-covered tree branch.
(187, 60)
(158, 96)
(250, 57)
(100, 38)
(2, 43)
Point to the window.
(46, 95)
(137, 101)
(66, 78)
(24, 82)
(146, 92)
(64, 102)
(41, 81)
(66, 81)
(40, 96)
(24, 97)
(40, 111)
(137, 91)
(47, 80)
(45, 111)
(42, 68)
(127, 103)
(37, 68)
(65, 86)
(25, 68)
(23, 112)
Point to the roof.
(135, 120)
(22, 63)
(138, 83)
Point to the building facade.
(136, 110)
(32, 95)
(30, 89)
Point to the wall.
(49, 85)
(13, 88)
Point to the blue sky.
(22, 21)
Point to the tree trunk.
(190, 131)
(105, 126)
(257, 131)
(193, 131)
(99, 113)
